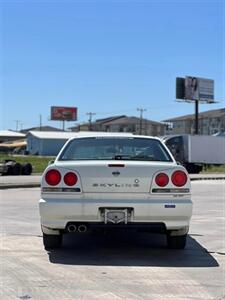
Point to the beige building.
(125, 124)
(210, 122)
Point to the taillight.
(179, 178)
(70, 178)
(53, 177)
(162, 179)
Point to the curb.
(33, 185)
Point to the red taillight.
(70, 178)
(179, 178)
(53, 177)
(162, 179)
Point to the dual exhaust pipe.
(80, 228)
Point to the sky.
(108, 57)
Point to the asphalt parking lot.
(124, 266)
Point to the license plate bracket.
(116, 216)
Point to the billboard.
(199, 89)
(62, 113)
(180, 88)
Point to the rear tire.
(52, 241)
(10, 165)
(17, 169)
(176, 242)
(9, 170)
(26, 169)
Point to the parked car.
(115, 181)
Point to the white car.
(113, 181)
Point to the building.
(40, 128)
(9, 135)
(46, 143)
(135, 125)
(210, 122)
(124, 123)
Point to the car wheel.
(52, 241)
(26, 169)
(176, 242)
(17, 169)
(9, 170)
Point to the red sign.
(59, 113)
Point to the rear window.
(105, 148)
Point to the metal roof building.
(47, 143)
(50, 143)
(40, 128)
(9, 135)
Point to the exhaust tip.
(82, 228)
(72, 228)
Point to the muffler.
(82, 228)
(72, 228)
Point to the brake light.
(179, 178)
(70, 178)
(162, 179)
(53, 177)
(116, 165)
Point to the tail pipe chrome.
(72, 228)
(82, 228)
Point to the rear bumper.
(173, 214)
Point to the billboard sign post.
(195, 89)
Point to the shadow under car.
(127, 249)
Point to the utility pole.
(90, 114)
(141, 119)
(21, 126)
(17, 124)
(40, 122)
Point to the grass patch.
(214, 169)
(39, 163)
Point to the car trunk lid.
(114, 176)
